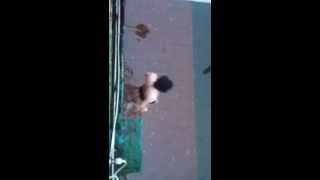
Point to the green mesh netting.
(129, 132)
(129, 144)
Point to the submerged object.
(142, 30)
(207, 70)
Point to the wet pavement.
(177, 129)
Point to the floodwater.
(177, 130)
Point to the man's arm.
(144, 106)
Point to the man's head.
(163, 84)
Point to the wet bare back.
(132, 99)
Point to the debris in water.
(128, 71)
(142, 30)
(207, 70)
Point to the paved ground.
(172, 134)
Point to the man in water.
(149, 92)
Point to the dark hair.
(163, 84)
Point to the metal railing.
(115, 78)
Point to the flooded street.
(177, 130)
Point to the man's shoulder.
(152, 95)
